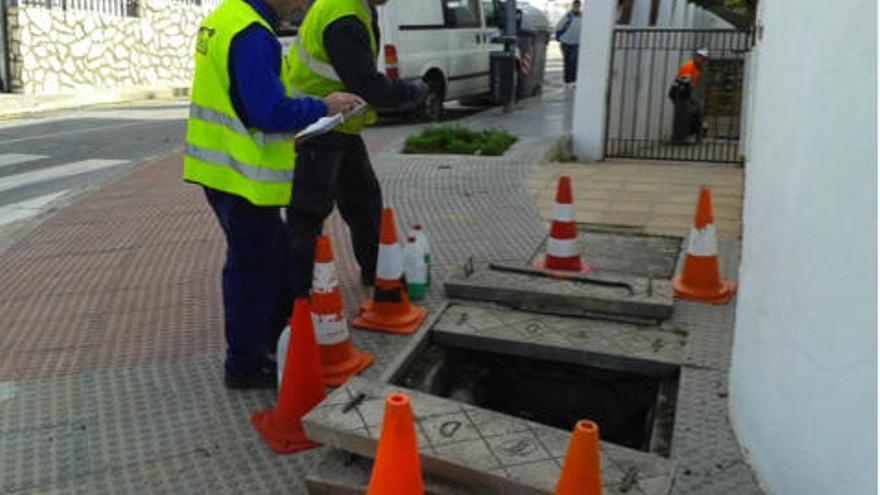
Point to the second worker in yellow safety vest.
(336, 50)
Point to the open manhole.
(631, 253)
(633, 410)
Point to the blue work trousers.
(256, 279)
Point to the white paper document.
(327, 124)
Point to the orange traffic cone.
(301, 389)
(339, 359)
(397, 469)
(581, 469)
(700, 279)
(390, 309)
(562, 250)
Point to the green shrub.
(459, 141)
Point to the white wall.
(664, 13)
(803, 378)
(56, 51)
(588, 122)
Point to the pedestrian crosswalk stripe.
(7, 159)
(28, 208)
(56, 172)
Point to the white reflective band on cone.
(390, 265)
(702, 242)
(562, 248)
(329, 329)
(563, 212)
(324, 278)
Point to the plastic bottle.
(415, 269)
(422, 240)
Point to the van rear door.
(469, 63)
(414, 31)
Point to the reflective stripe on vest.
(322, 69)
(253, 172)
(233, 124)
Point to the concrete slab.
(650, 301)
(602, 344)
(342, 473)
(522, 458)
(621, 251)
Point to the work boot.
(265, 377)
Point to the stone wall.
(63, 51)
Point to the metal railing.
(207, 4)
(121, 8)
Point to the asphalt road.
(47, 161)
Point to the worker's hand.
(341, 102)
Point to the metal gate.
(640, 120)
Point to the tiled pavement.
(655, 197)
(111, 335)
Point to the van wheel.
(432, 108)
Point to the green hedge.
(459, 141)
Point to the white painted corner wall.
(803, 378)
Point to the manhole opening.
(626, 252)
(633, 410)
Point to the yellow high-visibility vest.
(309, 69)
(221, 152)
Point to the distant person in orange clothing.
(688, 116)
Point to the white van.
(445, 42)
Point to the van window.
(462, 13)
(489, 15)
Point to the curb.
(13, 106)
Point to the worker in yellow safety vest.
(239, 147)
(336, 50)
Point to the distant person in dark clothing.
(688, 116)
(568, 34)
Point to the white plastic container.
(422, 241)
(415, 269)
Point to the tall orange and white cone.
(700, 280)
(390, 309)
(340, 360)
(562, 248)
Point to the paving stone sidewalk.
(111, 333)
(652, 197)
